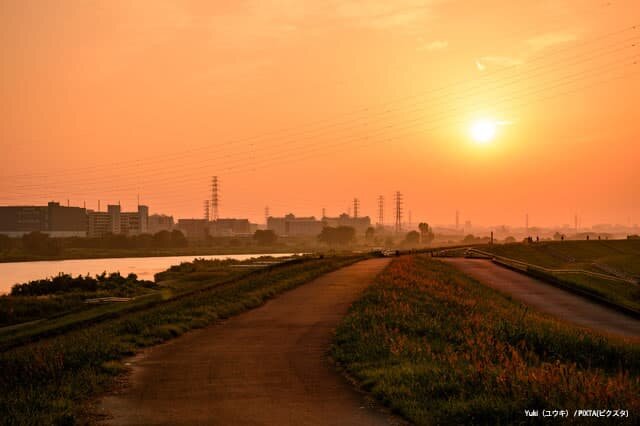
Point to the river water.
(144, 267)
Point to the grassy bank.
(620, 258)
(606, 256)
(439, 348)
(48, 382)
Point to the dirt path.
(267, 366)
(547, 298)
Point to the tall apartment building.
(115, 221)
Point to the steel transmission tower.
(214, 197)
(356, 206)
(381, 210)
(398, 199)
(206, 210)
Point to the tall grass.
(440, 348)
(49, 382)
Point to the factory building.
(53, 219)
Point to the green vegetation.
(618, 258)
(54, 296)
(341, 235)
(440, 348)
(49, 381)
(58, 312)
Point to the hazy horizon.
(302, 106)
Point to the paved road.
(547, 298)
(267, 366)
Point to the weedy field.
(50, 381)
(440, 348)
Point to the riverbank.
(16, 255)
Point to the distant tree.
(40, 243)
(509, 240)
(341, 235)
(470, 239)
(426, 233)
(388, 242)
(265, 237)
(412, 238)
(5, 242)
(370, 234)
(162, 239)
(144, 241)
(178, 239)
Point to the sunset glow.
(483, 131)
(301, 106)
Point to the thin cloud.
(500, 61)
(434, 45)
(550, 39)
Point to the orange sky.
(301, 106)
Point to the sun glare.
(483, 131)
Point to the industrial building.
(53, 219)
(360, 224)
(202, 228)
(292, 226)
(160, 222)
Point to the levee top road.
(267, 366)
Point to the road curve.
(548, 298)
(267, 366)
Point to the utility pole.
(214, 196)
(526, 223)
(457, 219)
(409, 219)
(398, 199)
(381, 211)
(356, 205)
(206, 210)
(324, 213)
(266, 215)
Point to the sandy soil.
(547, 298)
(267, 366)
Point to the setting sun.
(483, 131)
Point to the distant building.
(53, 219)
(98, 224)
(292, 226)
(195, 229)
(135, 223)
(231, 227)
(360, 224)
(160, 222)
(115, 221)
